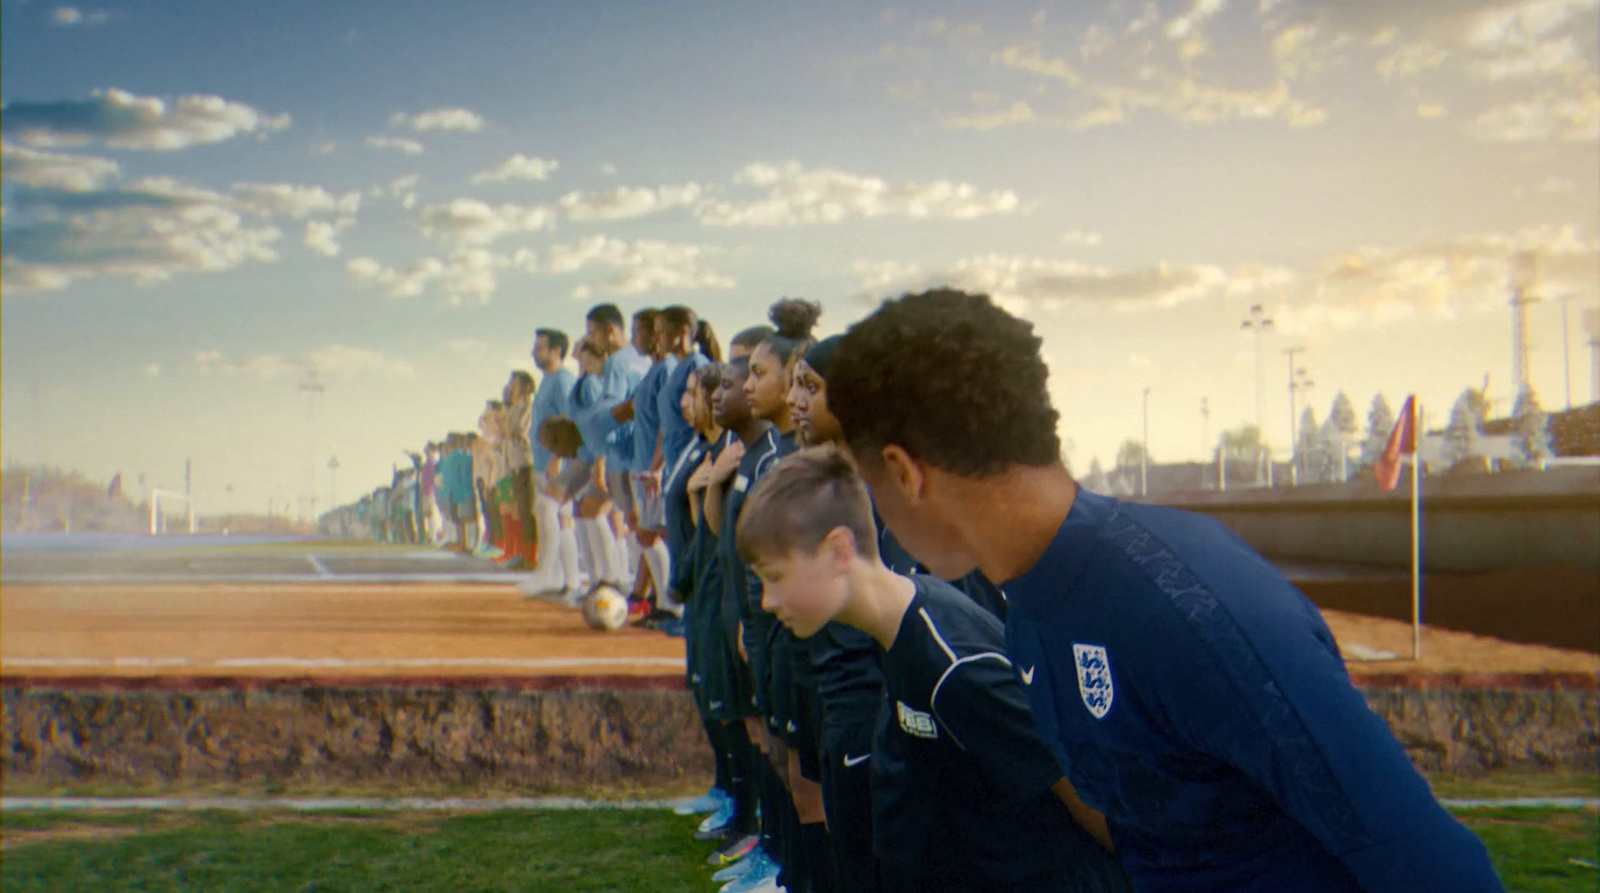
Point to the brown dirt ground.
(1448, 651)
(314, 621)
(207, 623)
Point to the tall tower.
(1524, 288)
(1591, 327)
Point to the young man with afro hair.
(1192, 694)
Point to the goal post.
(158, 516)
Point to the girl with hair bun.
(787, 688)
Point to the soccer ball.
(605, 608)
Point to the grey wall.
(1484, 522)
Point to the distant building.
(1574, 432)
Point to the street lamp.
(1258, 323)
(1298, 381)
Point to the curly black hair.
(950, 378)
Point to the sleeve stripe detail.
(933, 699)
(938, 638)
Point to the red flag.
(1402, 441)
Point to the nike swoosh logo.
(856, 761)
(1027, 676)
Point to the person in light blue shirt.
(692, 340)
(625, 367)
(582, 480)
(1196, 700)
(649, 519)
(555, 575)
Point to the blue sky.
(204, 200)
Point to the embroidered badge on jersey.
(915, 722)
(1094, 678)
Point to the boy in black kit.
(965, 794)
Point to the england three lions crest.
(1094, 678)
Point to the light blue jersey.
(551, 400)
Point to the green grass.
(1531, 847)
(525, 851)
(566, 851)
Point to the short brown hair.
(801, 500)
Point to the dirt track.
(330, 625)
(470, 630)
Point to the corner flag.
(1402, 441)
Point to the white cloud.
(465, 345)
(454, 119)
(1019, 112)
(518, 167)
(148, 231)
(798, 196)
(70, 15)
(395, 143)
(404, 190)
(1366, 288)
(324, 148)
(152, 370)
(640, 266)
(1187, 24)
(295, 200)
(1547, 117)
(1111, 96)
(467, 221)
(74, 173)
(465, 274)
(122, 120)
(1431, 110)
(1019, 282)
(1081, 238)
(1097, 40)
(1558, 186)
(627, 201)
(1443, 280)
(330, 361)
(1543, 58)
(322, 235)
(407, 283)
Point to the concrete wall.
(491, 736)
(1470, 522)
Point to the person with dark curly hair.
(1195, 698)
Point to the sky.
(206, 202)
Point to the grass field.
(525, 851)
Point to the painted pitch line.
(318, 566)
(321, 804)
(390, 578)
(338, 663)
(1525, 803)
(469, 804)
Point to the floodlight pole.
(1144, 449)
(1258, 324)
